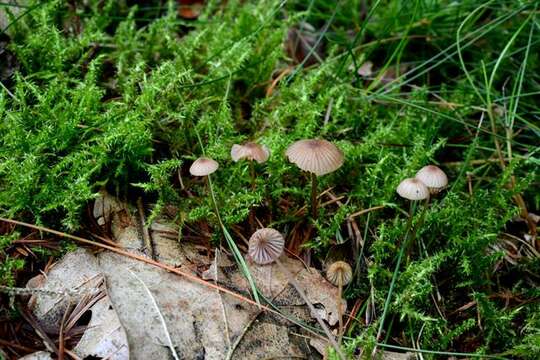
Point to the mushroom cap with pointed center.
(203, 166)
(339, 271)
(316, 156)
(434, 178)
(250, 151)
(413, 189)
(265, 246)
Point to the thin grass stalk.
(232, 245)
(396, 270)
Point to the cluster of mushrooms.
(317, 157)
(429, 180)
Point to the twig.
(154, 303)
(365, 211)
(49, 344)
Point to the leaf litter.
(145, 312)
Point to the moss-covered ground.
(124, 95)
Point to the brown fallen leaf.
(190, 9)
(301, 43)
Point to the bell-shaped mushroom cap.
(434, 178)
(413, 189)
(250, 151)
(266, 245)
(339, 271)
(203, 166)
(315, 155)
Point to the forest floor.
(117, 99)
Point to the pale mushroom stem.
(312, 309)
(340, 312)
(314, 211)
(252, 174)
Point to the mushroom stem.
(252, 174)
(312, 309)
(340, 312)
(314, 211)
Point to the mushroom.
(265, 247)
(318, 157)
(413, 189)
(250, 151)
(203, 166)
(339, 273)
(434, 178)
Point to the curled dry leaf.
(302, 42)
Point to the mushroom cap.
(265, 245)
(413, 189)
(316, 156)
(434, 178)
(339, 271)
(250, 151)
(203, 166)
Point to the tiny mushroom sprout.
(413, 189)
(434, 178)
(318, 157)
(265, 247)
(250, 151)
(339, 273)
(253, 152)
(203, 166)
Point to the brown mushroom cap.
(203, 166)
(339, 271)
(434, 178)
(315, 155)
(265, 246)
(250, 151)
(413, 189)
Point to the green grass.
(110, 95)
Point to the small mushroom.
(413, 189)
(265, 247)
(203, 166)
(318, 157)
(339, 273)
(250, 151)
(434, 178)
